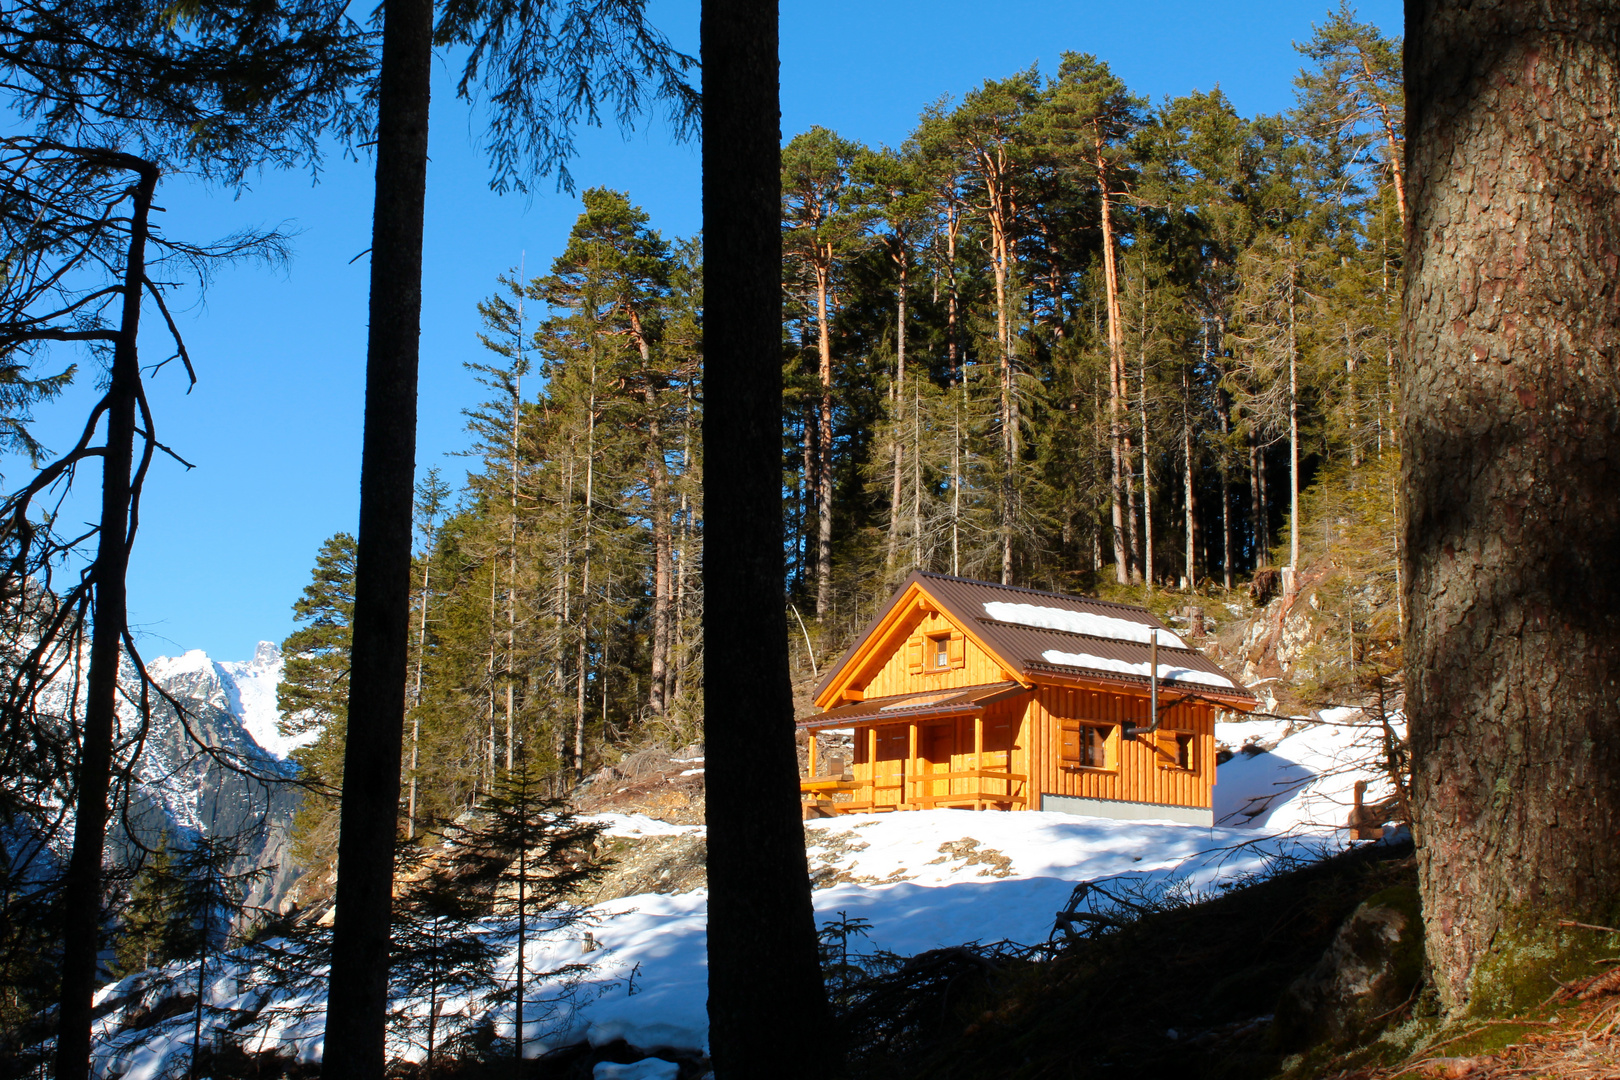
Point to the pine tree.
(151, 933)
(436, 950)
(312, 697)
(529, 855)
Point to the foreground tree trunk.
(82, 884)
(1511, 415)
(358, 992)
(767, 1009)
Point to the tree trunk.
(1119, 455)
(824, 471)
(1511, 409)
(761, 924)
(585, 584)
(369, 820)
(82, 883)
(1189, 497)
(416, 700)
(898, 397)
(511, 665)
(1293, 432)
(659, 515)
(1147, 474)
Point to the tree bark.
(1511, 412)
(358, 991)
(82, 883)
(761, 923)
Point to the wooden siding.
(898, 674)
(1136, 771)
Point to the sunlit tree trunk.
(1511, 422)
(1118, 440)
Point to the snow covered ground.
(921, 880)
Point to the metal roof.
(1023, 648)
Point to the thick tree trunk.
(82, 884)
(767, 1008)
(379, 652)
(1511, 416)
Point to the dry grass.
(1579, 1043)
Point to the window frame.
(1107, 744)
(1168, 745)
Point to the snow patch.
(640, 825)
(1104, 663)
(645, 1069)
(1299, 774)
(1079, 622)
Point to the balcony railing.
(974, 788)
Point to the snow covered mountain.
(215, 766)
(251, 686)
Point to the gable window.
(1082, 745)
(928, 653)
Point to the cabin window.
(939, 650)
(1083, 746)
(1176, 750)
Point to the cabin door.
(889, 770)
(938, 746)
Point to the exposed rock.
(651, 864)
(968, 851)
(1371, 969)
(660, 783)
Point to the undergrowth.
(1156, 984)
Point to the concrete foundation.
(1121, 810)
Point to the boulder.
(1370, 970)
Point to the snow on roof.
(1080, 622)
(1104, 663)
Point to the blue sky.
(273, 425)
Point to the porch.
(924, 762)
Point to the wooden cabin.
(968, 694)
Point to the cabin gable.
(916, 647)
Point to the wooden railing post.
(911, 764)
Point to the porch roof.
(962, 699)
